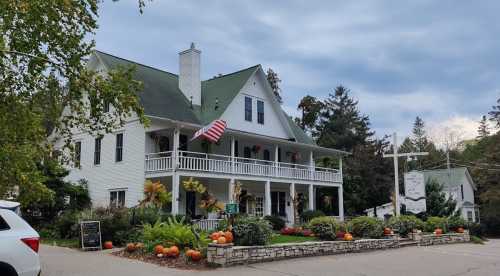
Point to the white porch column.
(340, 170)
(267, 198)
(312, 165)
(175, 147)
(276, 159)
(233, 152)
(230, 190)
(341, 203)
(292, 197)
(175, 194)
(311, 197)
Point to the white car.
(18, 246)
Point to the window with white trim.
(260, 112)
(117, 198)
(119, 147)
(248, 109)
(259, 206)
(97, 151)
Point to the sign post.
(395, 156)
(91, 235)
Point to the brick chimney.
(189, 74)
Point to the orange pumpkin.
(387, 231)
(166, 251)
(221, 240)
(347, 237)
(158, 249)
(108, 245)
(460, 230)
(131, 247)
(189, 252)
(196, 256)
(215, 236)
(438, 231)
(229, 237)
(174, 251)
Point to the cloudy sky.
(434, 59)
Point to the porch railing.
(196, 161)
(206, 224)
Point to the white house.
(457, 183)
(262, 147)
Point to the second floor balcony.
(221, 164)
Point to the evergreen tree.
(419, 136)
(274, 82)
(341, 125)
(437, 203)
(483, 130)
(495, 113)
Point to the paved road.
(447, 260)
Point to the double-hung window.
(78, 154)
(260, 112)
(248, 109)
(97, 151)
(119, 147)
(117, 199)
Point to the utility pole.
(395, 156)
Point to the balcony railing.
(196, 161)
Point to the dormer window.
(248, 109)
(260, 112)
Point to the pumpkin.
(196, 256)
(229, 237)
(438, 231)
(166, 251)
(215, 236)
(108, 245)
(347, 237)
(387, 231)
(158, 249)
(174, 251)
(189, 252)
(221, 240)
(460, 230)
(131, 247)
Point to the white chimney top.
(189, 74)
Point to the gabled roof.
(162, 98)
(455, 177)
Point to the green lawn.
(290, 239)
(73, 243)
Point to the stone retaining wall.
(426, 240)
(227, 254)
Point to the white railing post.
(312, 165)
(175, 150)
(233, 152)
(276, 160)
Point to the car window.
(3, 224)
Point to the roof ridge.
(236, 72)
(135, 62)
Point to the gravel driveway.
(446, 260)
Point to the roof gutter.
(258, 136)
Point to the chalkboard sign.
(232, 208)
(91, 234)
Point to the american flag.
(212, 132)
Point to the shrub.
(436, 222)
(324, 228)
(173, 232)
(67, 226)
(115, 224)
(404, 224)
(367, 227)
(476, 229)
(456, 222)
(306, 216)
(277, 223)
(252, 231)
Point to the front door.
(278, 203)
(191, 204)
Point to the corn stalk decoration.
(155, 194)
(208, 201)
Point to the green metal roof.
(161, 96)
